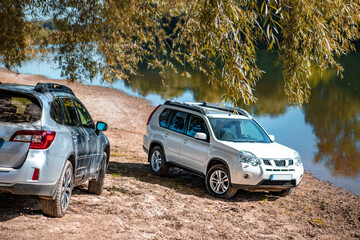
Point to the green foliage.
(215, 37)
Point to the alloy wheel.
(219, 182)
(156, 161)
(66, 190)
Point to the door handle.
(185, 141)
(74, 136)
(166, 134)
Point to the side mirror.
(200, 136)
(272, 138)
(101, 126)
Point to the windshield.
(238, 130)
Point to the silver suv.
(49, 144)
(224, 145)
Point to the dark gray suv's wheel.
(158, 163)
(97, 186)
(218, 182)
(57, 207)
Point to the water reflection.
(174, 85)
(334, 113)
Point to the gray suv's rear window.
(18, 108)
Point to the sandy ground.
(138, 205)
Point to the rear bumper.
(45, 190)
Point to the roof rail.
(195, 108)
(239, 111)
(52, 87)
(198, 107)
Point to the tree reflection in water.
(333, 110)
(334, 113)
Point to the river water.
(326, 131)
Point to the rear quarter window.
(164, 118)
(19, 108)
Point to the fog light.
(247, 175)
(36, 174)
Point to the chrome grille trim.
(278, 162)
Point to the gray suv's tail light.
(37, 139)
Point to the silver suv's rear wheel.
(158, 163)
(57, 207)
(218, 182)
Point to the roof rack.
(52, 87)
(185, 105)
(239, 111)
(199, 107)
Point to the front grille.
(266, 162)
(278, 162)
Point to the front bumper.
(266, 178)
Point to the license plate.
(281, 177)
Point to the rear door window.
(19, 108)
(178, 122)
(70, 115)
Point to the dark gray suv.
(49, 144)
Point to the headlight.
(297, 159)
(248, 157)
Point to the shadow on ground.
(12, 206)
(179, 180)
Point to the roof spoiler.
(52, 87)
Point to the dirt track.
(138, 205)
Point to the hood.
(263, 150)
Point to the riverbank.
(138, 205)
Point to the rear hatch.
(18, 112)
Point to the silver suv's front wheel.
(158, 163)
(218, 182)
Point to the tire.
(158, 164)
(218, 182)
(97, 186)
(57, 207)
(284, 193)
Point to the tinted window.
(84, 115)
(70, 115)
(18, 108)
(164, 118)
(55, 111)
(177, 122)
(196, 124)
